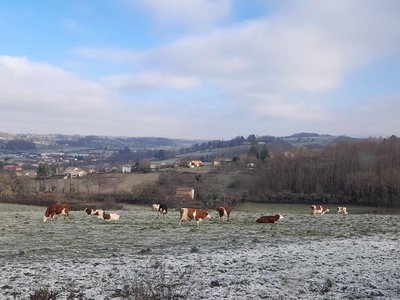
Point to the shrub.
(155, 286)
(44, 294)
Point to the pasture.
(302, 257)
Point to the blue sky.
(210, 69)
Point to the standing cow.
(161, 208)
(224, 212)
(91, 211)
(342, 210)
(319, 209)
(193, 214)
(56, 209)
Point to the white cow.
(319, 209)
(342, 210)
(106, 216)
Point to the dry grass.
(154, 285)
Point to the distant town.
(76, 156)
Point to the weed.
(155, 286)
(194, 249)
(44, 294)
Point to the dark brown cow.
(193, 214)
(269, 219)
(224, 212)
(56, 209)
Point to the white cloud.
(377, 116)
(110, 55)
(310, 50)
(280, 71)
(35, 86)
(149, 81)
(40, 98)
(281, 66)
(195, 14)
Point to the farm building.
(184, 193)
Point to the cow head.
(280, 217)
(99, 213)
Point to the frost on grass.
(300, 258)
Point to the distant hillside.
(314, 140)
(240, 145)
(196, 148)
(66, 143)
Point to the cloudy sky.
(210, 69)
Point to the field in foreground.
(303, 257)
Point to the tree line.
(362, 172)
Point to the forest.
(362, 172)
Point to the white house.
(72, 172)
(126, 169)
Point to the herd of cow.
(185, 213)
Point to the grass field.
(303, 257)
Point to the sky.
(200, 69)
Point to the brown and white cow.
(193, 214)
(107, 216)
(56, 209)
(342, 210)
(161, 208)
(224, 212)
(319, 209)
(92, 211)
(269, 219)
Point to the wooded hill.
(366, 171)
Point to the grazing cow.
(91, 211)
(163, 209)
(319, 209)
(341, 210)
(224, 212)
(269, 219)
(193, 213)
(108, 217)
(56, 209)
